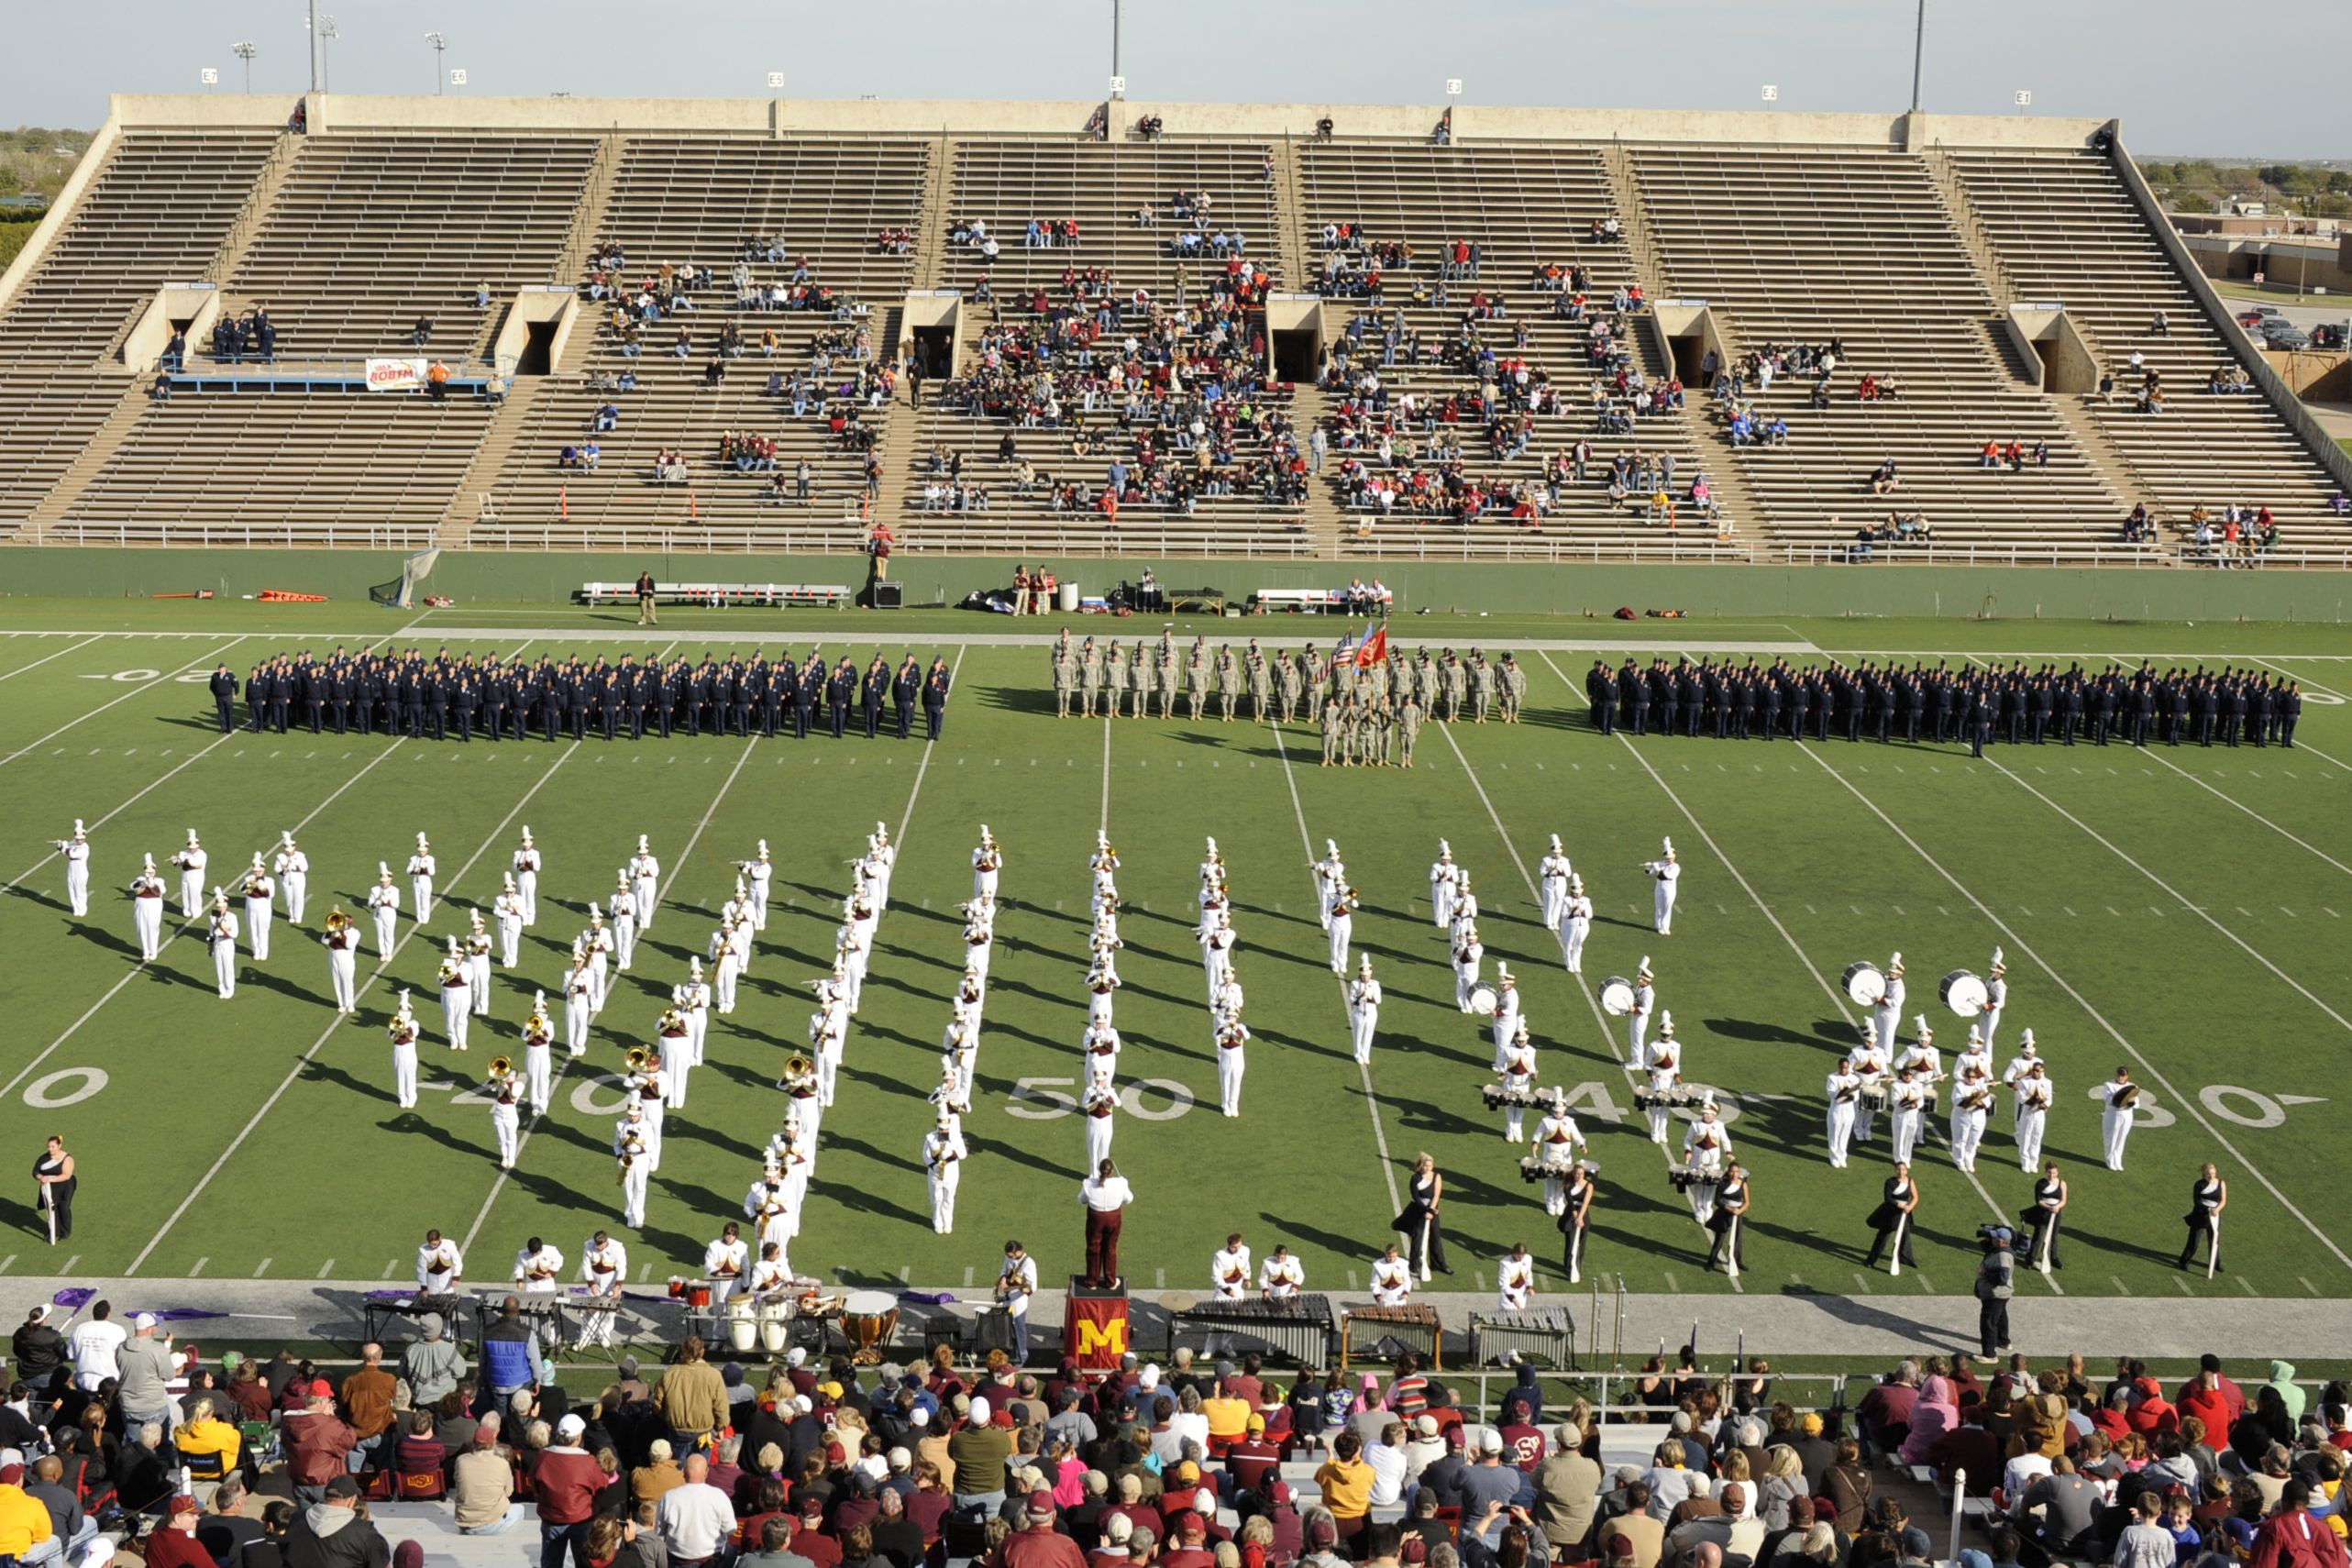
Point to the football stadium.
(1556, 768)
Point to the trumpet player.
(604, 1265)
(1518, 1086)
(1906, 1102)
(943, 1162)
(221, 934)
(1576, 924)
(1845, 1091)
(1972, 1098)
(538, 1054)
(580, 1011)
(758, 874)
(457, 995)
(2033, 1091)
(1666, 871)
(76, 851)
(1445, 880)
(979, 936)
(988, 863)
(828, 1037)
(148, 897)
(645, 1090)
(260, 891)
(383, 903)
(524, 875)
(1216, 950)
(1330, 879)
(645, 879)
(420, 870)
(291, 868)
(477, 950)
(1551, 880)
(341, 940)
(506, 914)
(1465, 904)
(637, 1166)
(403, 1032)
(807, 1104)
(191, 860)
(505, 1095)
(881, 859)
(1339, 919)
(1469, 955)
(1099, 1107)
(768, 1206)
(624, 921)
(1363, 1010)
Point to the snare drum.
(1963, 993)
(1617, 995)
(1873, 1097)
(775, 1325)
(1483, 1000)
(1865, 983)
(868, 1318)
(743, 1328)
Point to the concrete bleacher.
(1807, 245)
(695, 201)
(47, 415)
(2070, 234)
(1526, 207)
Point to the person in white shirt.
(697, 1518)
(420, 870)
(1280, 1275)
(943, 1162)
(1106, 1196)
(1667, 872)
(1637, 1017)
(293, 868)
(222, 935)
(761, 874)
(76, 851)
(148, 897)
(645, 871)
(725, 1261)
(96, 1347)
(1505, 1027)
(507, 911)
(1229, 1269)
(1552, 877)
(440, 1271)
(1515, 1280)
(1392, 1279)
(2120, 1095)
(988, 864)
(1888, 1014)
(1445, 880)
(403, 1032)
(1387, 1462)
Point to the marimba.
(1419, 1329)
(1297, 1328)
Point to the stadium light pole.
(245, 52)
(1918, 55)
(440, 45)
(327, 31)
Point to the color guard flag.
(1373, 648)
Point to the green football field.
(2183, 911)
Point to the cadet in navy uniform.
(1634, 693)
(224, 685)
(934, 697)
(1980, 720)
(904, 689)
(805, 693)
(2285, 709)
(841, 692)
(877, 690)
(1602, 692)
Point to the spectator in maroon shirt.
(1036, 1544)
(1885, 1413)
(565, 1482)
(1188, 1550)
(810, 1537)
(1247, 1462)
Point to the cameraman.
(1997, 1279)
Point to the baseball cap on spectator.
(1117, 1529)
(343, 1487)
(1810, 1424)
(571, 1427)
(1323, 1535)
(322, 1389)
(184, 1503)
(1457, 1437)
(1041, 1506)
(900, 1459)
(1279, 1492)
(813, 1505)
(976, 1409)
(918, 1417)
(1425, 1425)
(1489, 1441)
(796, 1356)
(12, 1475)
(1188, 1523)
(1256, 1425)
(144, 1320)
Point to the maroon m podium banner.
(1094, 1328)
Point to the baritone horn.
(501, 1067)
(639, 1058)
(799, 1068)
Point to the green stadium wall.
(1747, 591)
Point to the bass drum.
(1617, 995)
(1963, 993)
(742, 1326)
(1865, 983)
(1483, 999)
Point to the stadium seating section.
(347, 240)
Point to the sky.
(2151, 61)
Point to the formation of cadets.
(1369, 701)
(445, 696)
(1976, 704)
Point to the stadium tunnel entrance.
(1294, 329)
(933, 329)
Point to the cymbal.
(1177, 1301)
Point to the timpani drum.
(1483, 998)
(776, 1325)
(1865, 983)
(1617, 995)
(743, 1327)
(868, 1318)
(1963, 993)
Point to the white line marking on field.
(328, 1033)
(264, 1268)
(38, 662)
(142, 687)
(1104, 825)
(1371, 1100)
(2258, 816)
(6, 1262)
(2188, 1104)
(199, 1267)
(329, 1264)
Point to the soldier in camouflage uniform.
(1292, 684)
(1260, 681)
(1482, 684)
(1064, 677)
(1169, 672)
(1456, 686)
(1090, 678)
(1196, 679)
(1425, 681)
(1114, 679)
(1408, 729)
(1513, 675)
(1229, 682)
(1331, 722)
(1383, 731)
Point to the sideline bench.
(722, 595)
(1315, 601)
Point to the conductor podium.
(1095, 1326)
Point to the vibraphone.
(1297, 1328)
(1417, 1329)
(1545, 1337)
(379, 1314)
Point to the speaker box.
(889, 595)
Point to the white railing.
(229, 535)
(2056, 555)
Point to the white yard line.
(2258, 816)
(1104, 825)
(1371, 1100)
(139, 968)
(143, 686)
(328, 1033)
(38, 662)
(954, 670)
(2188, 1104)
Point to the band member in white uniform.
(676, 1053)
(1280, 1274)
(1996, 997)
(637, 1167)
(538, 1268)
(222, 935)
(146, 892)
(1906, 1100)
(260, 902)
(1469, 955)
(291, 868)
(1363, 1010)
(1233, 1041)
(1706, 1148)
(341, 940)
(506, 914)
(725, 1263)
(645, 878)
(959, 1056)
(1552, 879)
(1973, 1099)
(1888, 1015)
(943, 1162)
(526, 878)
(1508, 1025)
(1465, 904)
(597, 939)
(1100, 1110)
(1514, 1280)
(1665, 1070)
(881, 859)
(1575, 925)
(538, 1054)
(1575, 1215)
(1518, 1078)
(440, 1271)
(192, 861)
(1845, 1091)
(457, 997)
(771, 1276)
(383, 902)
(768, 1206)
(624, 923)
(76, 851)
(1330, 877)
(1229, 1269)
(403, 1032)
(646, 1092)
(477, 949)
(420, 870)
(506, 1116)
(1217, 951)
(1339, 919)
(759, 875)
(728, 970)
(1668, 874)
(1921, 1055)
(604, 1265)
(1445, 880)
(1392, 1279)
(2115, 1122)
(579, 998)
(2035, 1092)
(2208, 1196)
(1869, 1061)
(1636, 1018)
(1556, 1143)
(988, 864)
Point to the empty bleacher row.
(1525, 209)
(1790, 245)
(156, 214)
(46, 416)
(2068, 232)
(699, 202)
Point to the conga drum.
(743, 1327)
(776, 1325)
(868, 1318)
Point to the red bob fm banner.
(1094, 1330)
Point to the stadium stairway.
(247, 226)
(88, 463)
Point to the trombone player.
(629, 1153)
(505, 1092)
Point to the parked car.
(2282, 334)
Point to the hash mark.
(325, 1266)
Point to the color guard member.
(2043, 1217)
(1573, 1217)
(2208, 1196)
(1893, 1220)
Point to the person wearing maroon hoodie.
(566, 1483)
(2290, 1538)
(2150, 1411)
(1188, 1550)
(2211, 1398)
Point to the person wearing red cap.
(321, 1443)
(1037, 1545)
(173, 1544)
